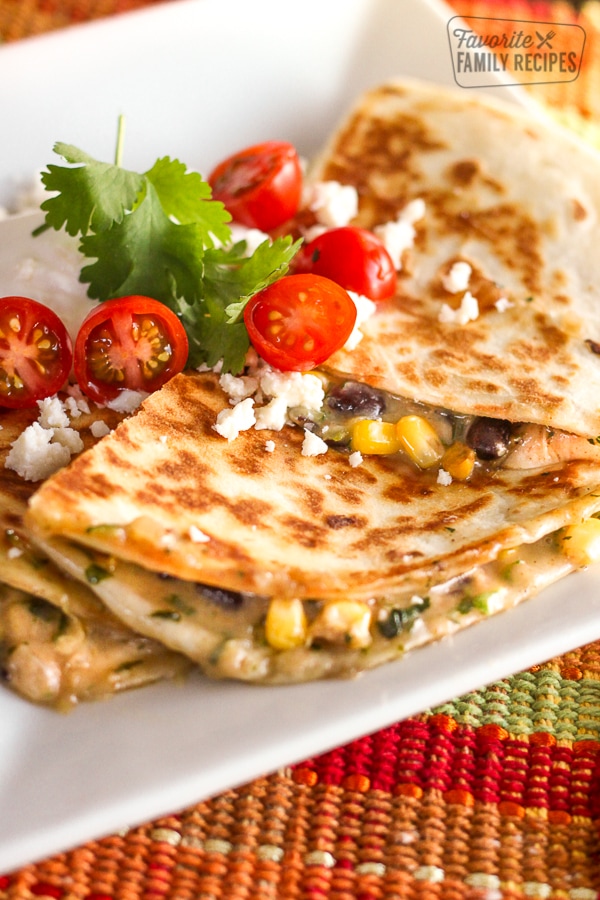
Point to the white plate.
(198, 79)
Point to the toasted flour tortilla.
(203, 533)
(58, 642)
(519, 201)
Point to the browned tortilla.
(517, 199)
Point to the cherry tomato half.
(130, 342)
(260, 186)
(35, 352)
(296, 323)
(353, 257)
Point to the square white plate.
(198, 79)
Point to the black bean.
(489, 438)
(221, 597)
(353, 398)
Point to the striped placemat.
(493, 796)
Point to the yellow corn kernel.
(285, 625)
(581, 542)
(459, 460)
(419, 439)
(344, 621)
(374, 436)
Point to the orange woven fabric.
(492, 796)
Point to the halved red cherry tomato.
(296, 323)
(260, 186)
(35, 352)
(353, 257)
(131, 342)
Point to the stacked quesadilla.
(59, 643)
(262, 562)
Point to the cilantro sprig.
(160, 233)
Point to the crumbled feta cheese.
(52, 413)
(76, 402)
(399, 235)
(238, 387)
(99, 429)
(364, 310)
(270, 446)
(457, 279)
(444, 477)
(238, 418)
(312, 444)
(68, 438)
(46, 445)
(34, 455)
(355, 459)
(467, 312)
(334, 204)
(273, 415)
(127, 401)
(297, 388)
(502, 304)
(14, 553)
(198, 536)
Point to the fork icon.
(545, 41)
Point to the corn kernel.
(419, 439)
(285, 625)
(581, 542)
(374, 436)
(346, 621)
(459, 461)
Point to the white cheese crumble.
(269, 446)
(35, 455)
(399, 235)
(334, 204)
(127, 401)
(502, 304)
(313, 445)
(273, 392)
(238, 418)
(198, 536)
(272, 416)
(46, 445)
(467, 312)
(365, 308)
(355, 459)
(457, 279)
(444, 477)
(99, 428)
(238, 387)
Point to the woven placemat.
(493, 796)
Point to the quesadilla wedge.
(515, 202)
(277, 566)
(58, 643)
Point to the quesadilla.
(269, 565)
(451, 467)
(59, 643)
(515, 203)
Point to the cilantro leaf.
(146, 253)
(161, 234)
(186, 197)
(90, 195)
(230, 280)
